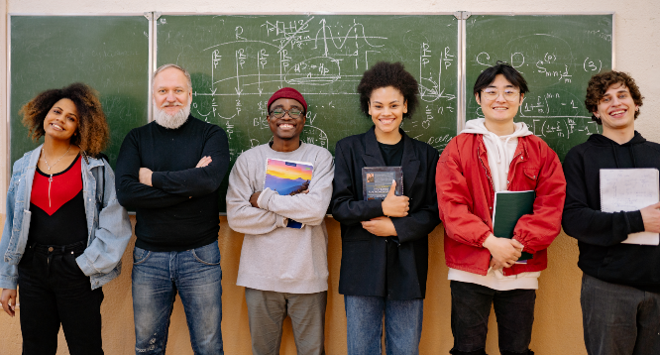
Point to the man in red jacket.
(494, 154)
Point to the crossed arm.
(256, 212)
(140, 187)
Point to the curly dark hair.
(93, 131)
(385, 74)
(510, 73)
(600, 83)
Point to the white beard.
(171, 121)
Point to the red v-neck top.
(58, 219)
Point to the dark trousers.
(52, 290)
(470, 309)
(619, 319)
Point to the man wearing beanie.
(283, 265)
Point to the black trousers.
(52, 290)
(470, 309)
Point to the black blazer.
(392, 267)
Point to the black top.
(393, 267)
(180, 211)
(392, 153)
(600, 234)
(64, 221)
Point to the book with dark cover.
(509, 207)
(377, 180)
(288, 178)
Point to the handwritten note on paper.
(630, 190)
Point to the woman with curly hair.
(385, 241)
(65, 232)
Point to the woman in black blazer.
(385, 242)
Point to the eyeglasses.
(280, 112)
(509, 94)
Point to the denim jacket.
(108, 226)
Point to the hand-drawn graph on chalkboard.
(237, 62)
(557, 55)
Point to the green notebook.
(509, 207)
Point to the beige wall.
(558, 326)
(557, 330)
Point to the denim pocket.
(208, 255)
(140, 255)
(70, 266)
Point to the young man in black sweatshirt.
(621, 283)
(169, 172)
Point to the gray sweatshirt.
(274, 257)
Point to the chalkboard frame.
(8, 110)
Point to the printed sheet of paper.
(630, 190)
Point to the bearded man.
(169, 172)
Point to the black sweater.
(180, 211)
(600, 234)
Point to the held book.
(509, 207)
(288, 178)
(377, 180)
(630, 190)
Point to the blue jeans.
(470, 309)
(619, 319)
(403, 325)
(157, 277)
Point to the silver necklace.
(43, 156)
(50, 178)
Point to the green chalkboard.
(237, 62)
(557, 55)
(108, 53)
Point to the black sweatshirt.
(180, 211)
(600, 234)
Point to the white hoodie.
(500, 151)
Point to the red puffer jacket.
(466, 194)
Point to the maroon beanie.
(287, 93)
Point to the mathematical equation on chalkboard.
(324, 58)
(553, 70)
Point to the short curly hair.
(385, 74)
(93, 132)
(600, 83)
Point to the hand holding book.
(651, 218)
(393, 205)
(380, 226)
(505, 252)
(509, 207)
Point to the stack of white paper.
(630, 190)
